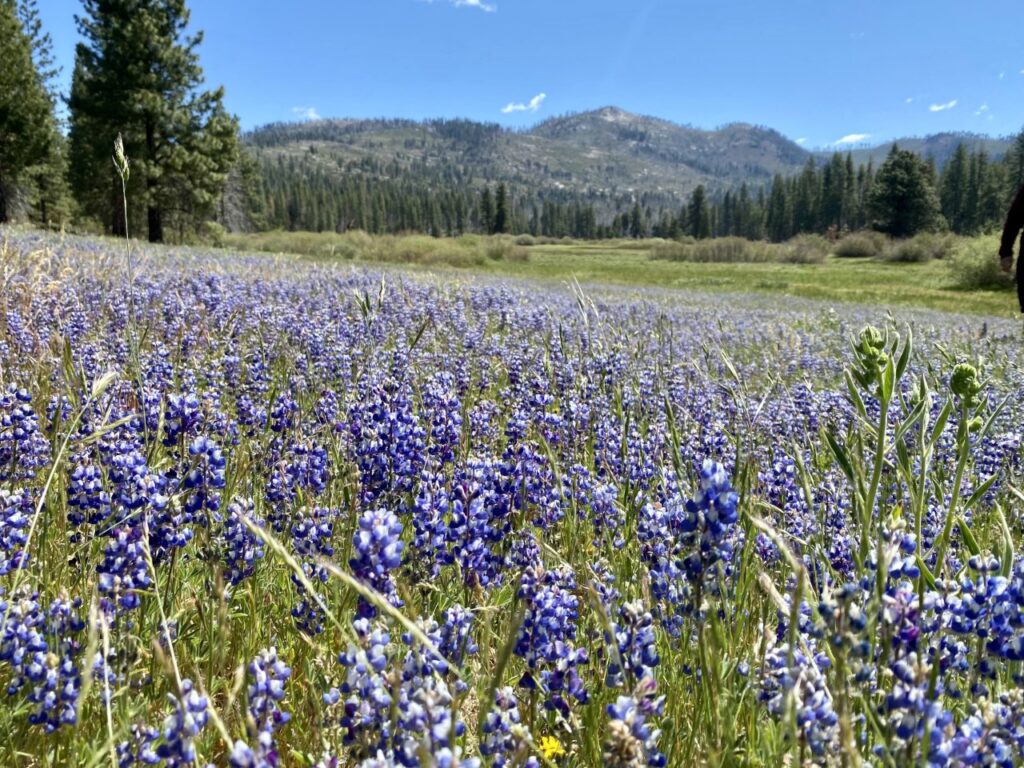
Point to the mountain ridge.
(606, 153)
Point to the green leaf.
(992, 418)
(910, 421)
(901, 365)
(855, 397)
(888, 382)
(980, 491)
(969, 540)
(419, 334)
(1007, 555)
(940, 422)
(926, 573)
(840, 453)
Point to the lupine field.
(256, 512)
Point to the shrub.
(518, 255)
(670, 251)
(213, 233)
(911, 251)
(859, 245)
(804, 249)
(358, 239)
(505, 249)
(721, 250)
(975, 265)
(452, 257)
(923, 247)
(526, 240)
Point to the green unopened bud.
(871, 338)
(965, 385)
(871, 355)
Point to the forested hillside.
(605, 173)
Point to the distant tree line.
(902, 196)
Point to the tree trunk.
(154, 214)
(156, 223)
(3, 203)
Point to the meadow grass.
(660, 528)
(933, 284)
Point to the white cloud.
(481, 5)
(486, 7)
(1022, 71)
(801, 141)
(1002, 75)
(982, 109)
(943, 107)
(532, 106)
(910, 100)
(306, 113)
(853, 138)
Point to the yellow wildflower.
(551, 748)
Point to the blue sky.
(825, 72)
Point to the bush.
(911, 251)
(452, 257)
(213, 232)
(518, 255)
(859, 245)
(975, 265)
(526, 240)
(804, 249)
(923, 247)
(505, 250)
(721, 250)
(670, 252)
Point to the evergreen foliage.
(903, 201)
(137, 73)
(31, 160)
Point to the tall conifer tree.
(137, 73)
(28, 133)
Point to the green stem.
(963, 437)
(876, 478)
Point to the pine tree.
(903, 200)
(778, 219)
(806, 201)
(698, 215)
(636, 225)
(833, 190)
(501, 211)
(28, 134)
(486, 212)
(954, 189)
(137, 73)
(1015, 166)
